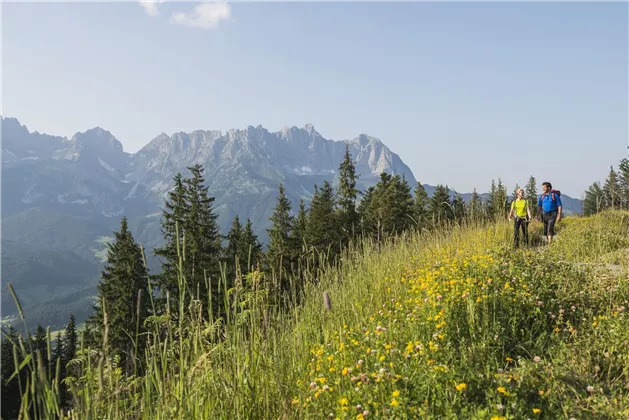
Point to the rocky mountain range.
(62, 198)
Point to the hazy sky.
(463, 92)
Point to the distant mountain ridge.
(62, 198)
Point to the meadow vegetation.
(452, 323)
(394, 305)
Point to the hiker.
(522, 211)
(549, 204)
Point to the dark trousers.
(549, 223)
(520, 223)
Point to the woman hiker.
(520, 207)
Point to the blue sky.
(463, 92)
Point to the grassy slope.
(450, 325)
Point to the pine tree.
(475, 211)
(530, 193)
(249, 248)
(491, 201)
(440, 207)
(299, 232)
(612, 190)
(594, 200)
(623, 175)
(403, 206)
(233, 256)
(322, 231)
(69, 346)
(514, 194)
(10, 389)
(123, 294)
(420, 206)
(202, 243)
(173, 232)
(459, 208)
(280, 249)
(366, 227)
(347, 194)
(501, 201)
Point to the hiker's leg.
(516, 232)
(525, 230)
(545, 221)
(551, 227)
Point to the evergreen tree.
(459, 208)
(363, 211)
(475, 212)
(299, 232)
(233, 255)
(623, 175)
(39, 342)
(249, 248)
(420, 206)
(202, 243)
(492, 200)
(594, 200)
(530, 194)
(10, 389)
(173, 232)
(440, 207)
(403, 206)
(347, 193)
(514, 194)
(612, 190)
(322, 229)
(280, 249)
(122, 279)
(501, 201)
(69, 342)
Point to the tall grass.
(446, 324)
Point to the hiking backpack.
(552, 194)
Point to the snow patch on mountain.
(105, 165)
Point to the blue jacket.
(547, 203)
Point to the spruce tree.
(623, 175)
(172, 229)
(299, 232)
(202, 243)
(475, 211)
(233, 256)
(388, 208)
(594, 200)
(514, 194)
(280, 249)
(459, 208)
(440, 207)
(347, 194)
(403, 206)
(249, 248)
(123, 294)
(10, 389)
(613, 195)
(366, 227)
(322, 229)
(501, 201)
(492, 200)
(69, 342)
(530, 193)
(420, 206)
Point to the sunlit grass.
(449, 324)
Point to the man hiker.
(549, 204)
(520, 207)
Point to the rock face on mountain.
(62, 198)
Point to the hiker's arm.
(528, 211)
(558, 213)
